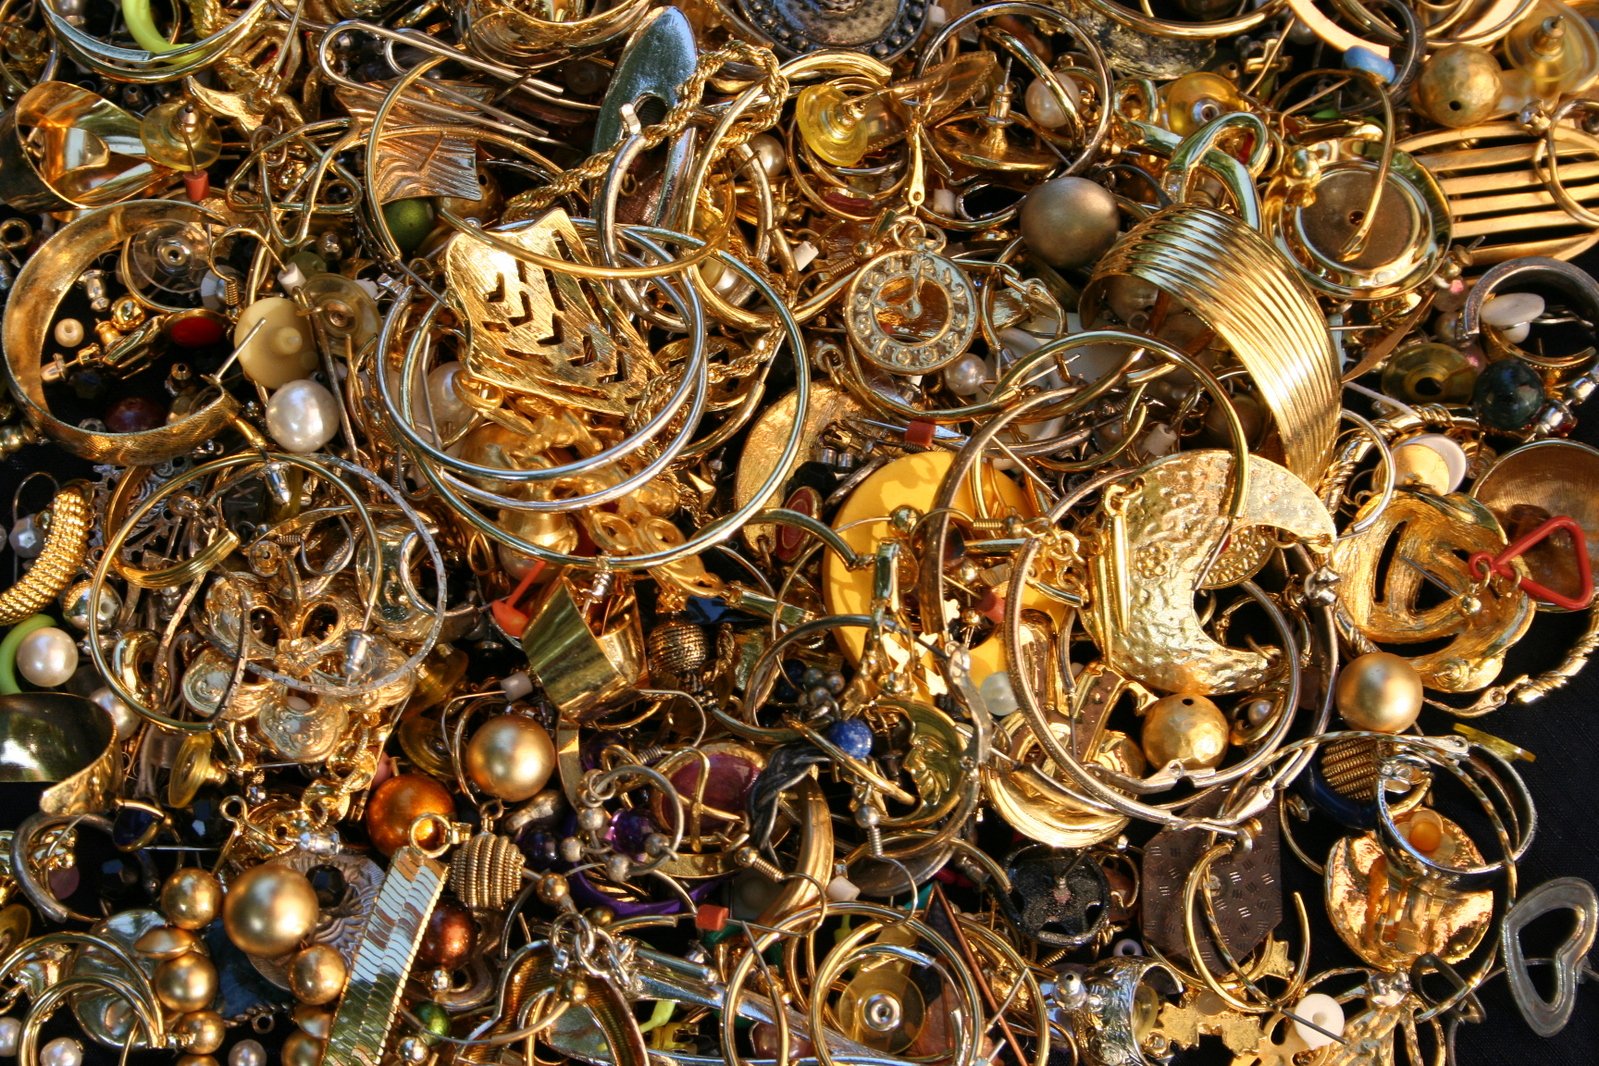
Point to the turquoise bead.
(1508, 395)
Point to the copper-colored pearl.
(187, 983)
(302, 1049)
(191, 898)
(510, 757)
(202, 1032)
(399, 802)
(269, 910)
(1187, 729)
(449, 937)
(1380, 692)
(317, 975)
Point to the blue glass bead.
(1508, 395)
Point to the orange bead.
(400, 801)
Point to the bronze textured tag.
(1248, 899)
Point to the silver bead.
(412, 1049)
(27, 540)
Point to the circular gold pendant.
(910, 312)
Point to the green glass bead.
(435, 1020)
(1431, 373)
(309, 263)
(410, 221)
(1508, 395)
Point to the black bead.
(330, 884)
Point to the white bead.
(516, 685)
(1044, 109)
(124, 719)
(302, 416)
(1450, 451)
(842, 890)
(944, 202)
(1159, 440)
(281, 350)
(47, 657)
(247, 1053)
(26, 540)
(1325, 1011)
(62, 1051)
(1517, 333)
(966, 375)
(69, 333)
(997, 694)
(10, 1035)
(449, 410)
(805, 254)
(1512, 308)
(1127, 948)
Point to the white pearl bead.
(966, 375)
(769, 153)
(247, 1053)
(302, 416)
(47, 657)
(1512, 308)
(124, 719)
(1325, 1011)
(1042, 106)
(1517, 333)
(450, 412)
(1127, 948)
(26, 539)
(10, 1035)
(62, 1051)
(69, 333)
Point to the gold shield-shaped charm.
(1408, 580)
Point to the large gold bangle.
(65, 544)
(1231, 277)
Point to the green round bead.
(309, 262)
(1508, 395)
(435, 1020)
(410, 221)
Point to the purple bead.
(628, 831)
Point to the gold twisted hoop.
(65, 544)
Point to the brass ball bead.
(400, 801)
(302, 1049)
(1459, 86)
(1069, 222)
(553, 889)
(1187, 729)
(1379, 692)
(318, 1021)
(191, 898)
(187, 983)
(317, 975)
(269, 910)
(510, 757)
(202, 1032)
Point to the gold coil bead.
(486, 872)
(678, 651)
(66, 542)
(1350, 767)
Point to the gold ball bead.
(166, 942)
(202, 1032)
(269, 910)
(1379, 692)
(1186, 729)
(191, 898)
(510, 757)
(318, 1021)
(197, 1060)
(187, 983)
(553, 889)
(316, 975)
(302, 1049)
(1459, 85)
